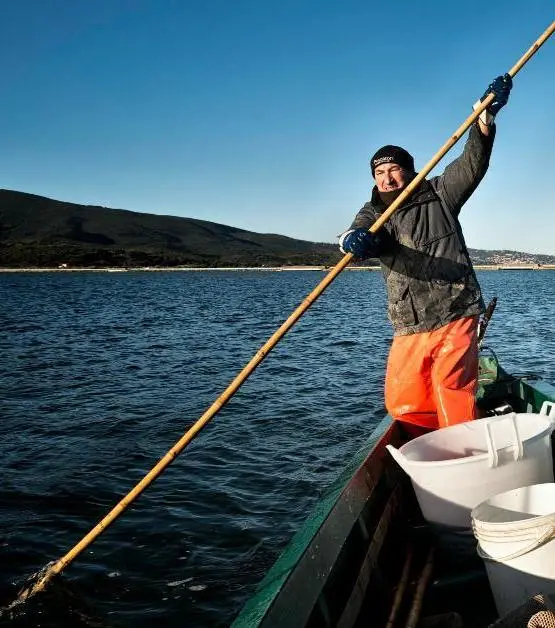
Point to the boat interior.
(417, 575)
(366, 556)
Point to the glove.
(500, 86)
(360, 242)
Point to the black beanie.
(394, 155)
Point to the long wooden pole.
(401, 588)
(63, 562)
(425, 576)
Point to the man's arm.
(365, 217)
(484, 128)
(462, 176)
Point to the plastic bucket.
(453, 469)
(516, 538)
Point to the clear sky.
(263, 114)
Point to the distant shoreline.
(254, 269)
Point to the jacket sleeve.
(462, 176)
(365, 218)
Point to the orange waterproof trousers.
(432, 377)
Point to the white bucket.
(455, 468)
(516, 538)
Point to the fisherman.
(434, 299)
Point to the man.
(434, 299)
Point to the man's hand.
(501, 87)
(360, 242)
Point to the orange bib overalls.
(432, 377)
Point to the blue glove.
(360, 242)
(500, 86)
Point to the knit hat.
(394, 155)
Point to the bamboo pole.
(236, 383)
(425, 576)
(401, 588)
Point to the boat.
(367, 557)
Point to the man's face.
(391, 177)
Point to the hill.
(39, 232)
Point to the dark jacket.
(429, 276)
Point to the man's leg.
(408, 383)
(455, 371)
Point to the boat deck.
(437, 579)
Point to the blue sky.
(263, 115)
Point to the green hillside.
(40, 232)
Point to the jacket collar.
(423, 193)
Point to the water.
(101, 373)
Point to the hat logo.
(382, 160)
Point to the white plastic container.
(516, 538)
(454, 469)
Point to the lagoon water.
(101, 373)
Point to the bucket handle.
(492, 450)
(399, 458)
(546, 536)
(548, 408)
